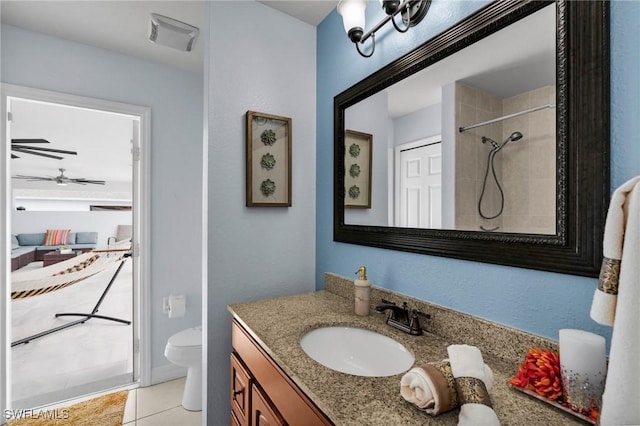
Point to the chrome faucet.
(400, 318)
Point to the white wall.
(262, 60)
(62, 205)
(104, 223)
(449, 133)
(424, 123)
(175, 98)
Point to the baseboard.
(167, 372)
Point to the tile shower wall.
(475, 106)
(530, 164)
(523, 167)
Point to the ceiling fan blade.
(84, 181)
(28, 151)
(14, 156)
(37, 148)
(29, 141)
(32, 177)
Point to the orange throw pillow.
(56, 237)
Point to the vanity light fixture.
(172, 33)
(352, 12)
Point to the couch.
(30, 247)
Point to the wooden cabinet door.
(233, 421)
(240, 391)
(290, 402)
(262, 413)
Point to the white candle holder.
(583, 368)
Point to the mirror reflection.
(469, 143)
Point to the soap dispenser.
(362, 290)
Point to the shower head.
(515, 136)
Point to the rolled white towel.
(431, 387)
(419, 387)
(467, 367)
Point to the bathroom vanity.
(261, 393)
(274, 382)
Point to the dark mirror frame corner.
(583, 133)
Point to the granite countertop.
(277, 324)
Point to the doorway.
(97, 212)
(419, 184)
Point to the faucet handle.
(414, 324)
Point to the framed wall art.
(357, 165)
(268, 160)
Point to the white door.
(420, 190)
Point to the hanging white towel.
(616, 303)
(467, 367)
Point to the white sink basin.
(356, 351)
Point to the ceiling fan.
(25, 146)
(61, 179)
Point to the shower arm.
(495, 120)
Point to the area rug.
(106, 410)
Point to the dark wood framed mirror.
(581, 145)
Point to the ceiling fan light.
(172, 33)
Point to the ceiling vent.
(172, 33)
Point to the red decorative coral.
(540, 373)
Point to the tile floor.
(79, 360)
(159, 405)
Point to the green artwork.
(354, 170)
(268, 137)
(354, 192)
(268, 161)
(354, 150)
(267, 187)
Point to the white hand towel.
(467, 367)
(603, 308)
(431, 387)
(616, 303)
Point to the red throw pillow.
(56, 237)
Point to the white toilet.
(185, 349)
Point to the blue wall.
(534, 301)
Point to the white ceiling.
(498, 64)
(102, 141)
(123, 26)
(309, 11)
